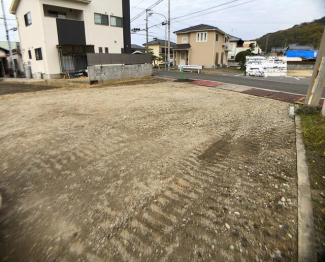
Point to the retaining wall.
(111, 72)
(300, 66)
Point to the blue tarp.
(304, 54)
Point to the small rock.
(212, 246)
(289, 235)
(237, 213)
(278, 253)
(232, 247)
(283, 199)
(227, 226)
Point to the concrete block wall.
(111, 72)
(300, 66)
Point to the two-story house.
(203, 45)
(159, 49)
(237, 45)
(56, 35)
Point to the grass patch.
(313, 126)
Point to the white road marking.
(297, 78)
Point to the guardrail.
(194, 67)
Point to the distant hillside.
(303, 34)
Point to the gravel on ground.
(153, 172)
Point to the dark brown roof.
(201, 27)
(136, 47)
(182, 47)
(159, 42)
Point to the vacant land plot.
(160, 172)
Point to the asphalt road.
(295, 85)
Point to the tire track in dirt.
(192, 203)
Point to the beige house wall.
(180, 37)
(31, 37)
(155, 49)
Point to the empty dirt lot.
(152, 172)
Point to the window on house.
(202, 37)
(38, 54)
(57, 14)
(217, 37)
(28, 19)
(101, 19)
(184, 40)
(116, 21)
(226, 39)
(232, 57)
(100, 50)
(106, 50)
(30, 54)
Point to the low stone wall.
(300, 66)
(111, 72)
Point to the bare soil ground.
(152, 172)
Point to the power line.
(137, 4)
(207, 9)
(205, 13)
(217, 10)
(143, 12)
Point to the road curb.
(306, 230)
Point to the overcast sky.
(247, 21)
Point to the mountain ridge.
(303, 34)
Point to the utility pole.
(168, 34)
(318, 80)
(267, 42)
(165, 24)
(11, 64)
(147, 30)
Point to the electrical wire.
(143, 12)
(137, 4)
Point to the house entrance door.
(182, 60)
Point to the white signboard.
(266, 66)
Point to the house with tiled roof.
(159, 48)
(203, 45)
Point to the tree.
(252, 47)
(154, 57)
(241, 58)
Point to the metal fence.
(126, 59)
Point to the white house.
(237, 45)
(56, 35)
